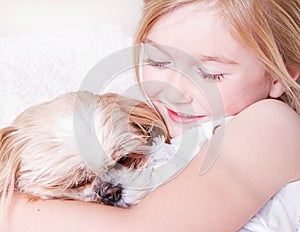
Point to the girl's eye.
(158, 64)
(211, 77)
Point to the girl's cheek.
(146, 74)
(149, 73)
(153, 81)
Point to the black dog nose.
(110, 194)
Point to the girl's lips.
(181, 118)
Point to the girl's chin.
(176, 130)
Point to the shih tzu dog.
(41, 152)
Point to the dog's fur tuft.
(9, 143)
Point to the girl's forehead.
(190, 28)
(187, 11)
(199, 30)
(190, 21)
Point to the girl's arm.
(259, 155)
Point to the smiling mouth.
(181, 118)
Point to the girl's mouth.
(181, 118)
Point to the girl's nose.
(178, 89)
(175, 94)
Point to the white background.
(35, 16)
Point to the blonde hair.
(267, 28)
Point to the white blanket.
(36, 68)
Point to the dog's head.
(127, 131)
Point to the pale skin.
(260, 152)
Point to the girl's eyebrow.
(156, 45)
(202, 58)
(219, 59)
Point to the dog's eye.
(131, 161)
(123, 160)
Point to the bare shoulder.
(271, 120)
(270, 111)
(266, 136)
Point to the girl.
(250, 51)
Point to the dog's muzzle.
(108, 193)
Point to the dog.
(40, 155)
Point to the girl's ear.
(277, 89)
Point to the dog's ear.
(149, 121)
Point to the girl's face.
(238, 75)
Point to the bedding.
(38, 67)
